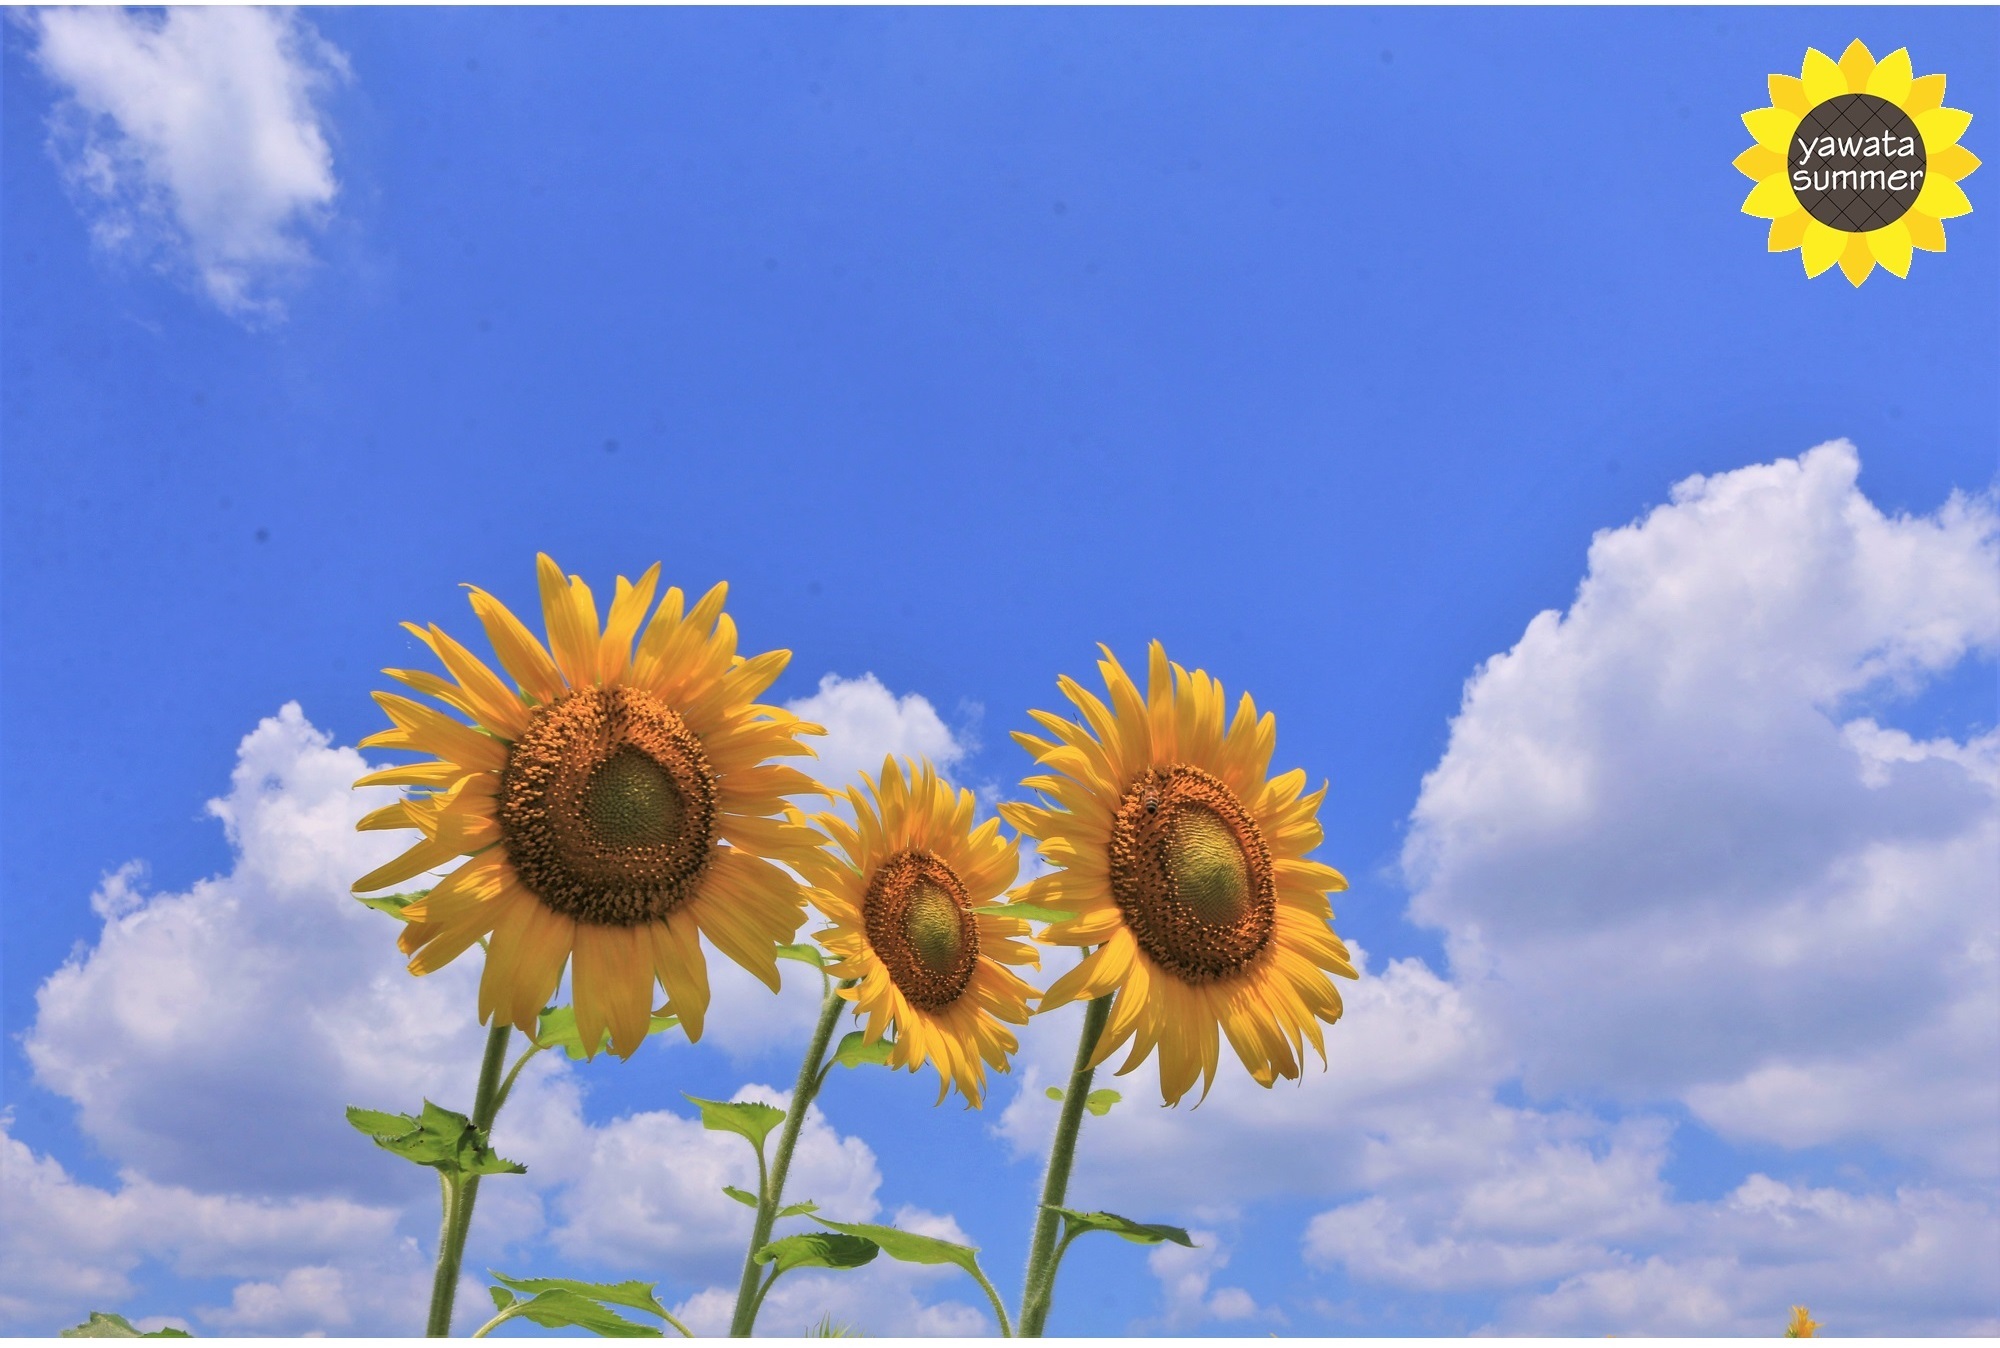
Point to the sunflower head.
(905, 894)
(1835, 207)
(1185, 867)
(605, 804)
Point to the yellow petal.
(1821, 77)
(1953, 162)
(1926, 231)
(1856, 259)
(1857, 63)
(1925, 93)
(1759, 163)
(571, 619)
(1891, 247)
(1771, 199)
(1772, 128)
(1891, 76)
(1941, 198)
(1789, 93)
(521, 655)
(1941, 127)
(1821, 247)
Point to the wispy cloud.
(193, 139)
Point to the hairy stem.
(748, 1296)
(461, 1191)
(1043, 1255)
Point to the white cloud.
(1186, 1283)
(1673, 861)
(1669, 864)
(865, 722)
(192, 138)
(210, 1040)
(66, 1246)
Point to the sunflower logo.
(1857, 162)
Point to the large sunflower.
(1186, 869)
(1856, 162)
(903, 902)
(616, 805)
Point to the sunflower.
(1856, 162)
(615, 806)
(1187, 869)
(904, 901)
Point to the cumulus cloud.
(1674, 861)
(193, 139)
(210, 1039)
(1668, 860)
(1186, 1284)
(865, 722)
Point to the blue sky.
(1318, 344)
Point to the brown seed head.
(1191, 874)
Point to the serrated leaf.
(557, 1029)
(638, 1295)
(110, 1325)
(1027, 912)
(803, 953)
(1054, 1092)
(1139, 1233)
(440, 1138)
(856, 1051)
(801, 1209)
(502, 1298)
(561, 1310)
(743, 1196)
(1099, 1102)
(745, 1118)
(910, 1248)
(818, 1249)
(392, 904)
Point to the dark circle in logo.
(1857, 163)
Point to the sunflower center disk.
(920, 924)
(632, 801)
(1191, 874)
(607, 806)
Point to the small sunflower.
(1187, 869)
(615, 805)
(1856, 162)
(903, 902)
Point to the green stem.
(507, 1086)
(748, 1296)
(1042, 1252)
(461, 1191)
(999, 1306)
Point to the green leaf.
(557, 1029)
(743, 1196)
(638, 1295)
(1030, 912)
(745, 1118)
(803, 953)
(392, 904)
(1054, 1092)
(803, 1209)
(1139, 1233)
(109, 1325)
(439, 1138)
(910, 1248)
(817, 1249)
(856, 1051)
(1099, 1102)
(560, 1310)
(502, 1298)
